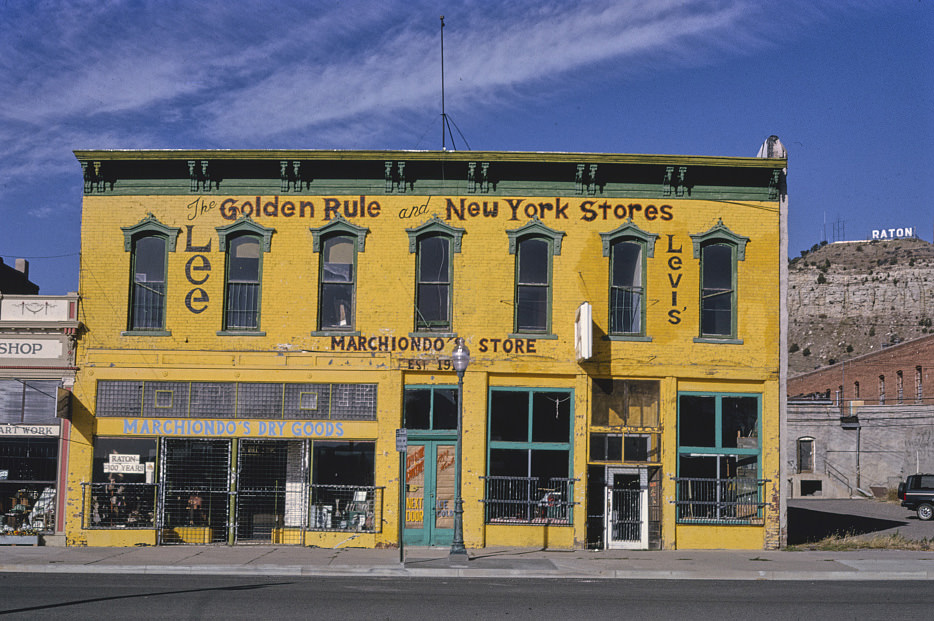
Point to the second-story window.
(149, 242)
(533, 285)
(719, 250)
(338, 279)
(147, 299)
(433, 284)
(244, 271)
(626, 288)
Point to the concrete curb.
(458, 572)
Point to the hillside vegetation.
(852, 298)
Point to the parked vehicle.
(917, 494)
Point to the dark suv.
(917, 494)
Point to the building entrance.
(429, 492)
(233, 491)
(625, 519)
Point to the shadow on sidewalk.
(808, 525)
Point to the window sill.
(240, 333)
(533, 335)
(335, 333)
(718, 341)
(627, 337)
(146, 333)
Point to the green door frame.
(429, 534)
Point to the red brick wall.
(867, 369)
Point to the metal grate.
(118, 505)
(271, 491)
(626, 515)
(528, 500)
(242, 306)
(148, 305)
(195, 490)
(720, 501)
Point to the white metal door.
(626, 523)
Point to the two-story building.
(37, 371)
(261, 323)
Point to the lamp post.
(460, 358)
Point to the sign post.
(402, 445)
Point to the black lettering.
(204, 266)
(189, 247)
(561, 211)
(651, 212)
(514, 204)
(197, 296)
(671, 248)
(453, 210)
(332, 207)
(482, 346)
(674, 263)
(674, 316)
(666, 212)
(589, 214)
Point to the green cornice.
(440, 156)
(480, 174)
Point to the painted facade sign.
(231, 428)
(895, 233)
(30, 348)
(28, 431)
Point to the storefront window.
(122, 493)
(625, 403)
(27, 483)
(343, 496)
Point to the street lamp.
(460, 358)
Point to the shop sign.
(30, 348)
(229, 428)
(124, 464)
(28, 430)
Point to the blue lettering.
(129, 426)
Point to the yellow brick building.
(261, 323)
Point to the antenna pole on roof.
(445, 121)
(443, 115)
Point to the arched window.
(627, 248)
(434, 244)
(338, 243)
(534, 246)
(719, 250)
(149, 243)
(244, 241)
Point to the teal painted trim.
(269, 188)
(443, 435)
(720, 450)
(150, 226)
(146, 333)
(240, 333)
(434, 335)
(544, 446)
(536, 228)
(339, 225)
(624, 337)
(334, 333)
(436, 226)
(702, 450)
(715, 341)
(244, 224)
(543, 336)
(628, 230)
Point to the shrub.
(806, 352)
(794, 347)
(821, 279)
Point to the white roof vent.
(772, 148)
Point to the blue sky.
(847, 86)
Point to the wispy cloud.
(93, 74)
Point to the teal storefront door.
(429, 492)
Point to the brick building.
(863, 424)
(896, 374)
(262, 322)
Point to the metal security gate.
(270, 492)
(626, 509)
(195, 478)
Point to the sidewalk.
(482, 563)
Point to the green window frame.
(534, 246)
(719, 458)
(244, 242)
(430, 409)
(719, 250)
(338, 244)
(530, 454)
(148, 242)
(628, 247)
(434, 244)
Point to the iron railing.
(350, 508)
(720, 501)
(529, 500)
(119, 505)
